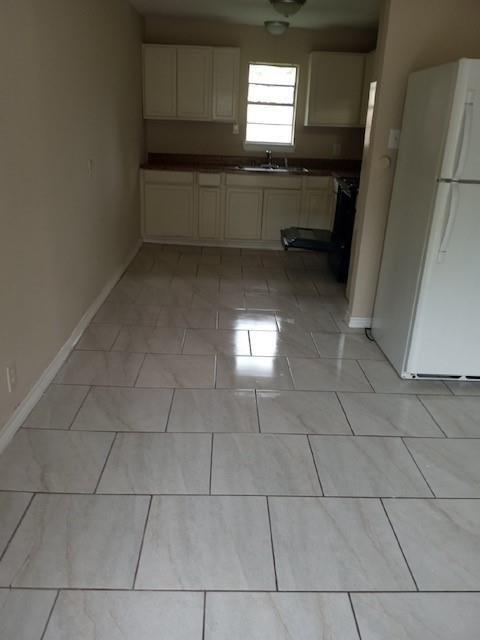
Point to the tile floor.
(221, 457)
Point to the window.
(272, 93)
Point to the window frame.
(279, 146)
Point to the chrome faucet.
(268, 156)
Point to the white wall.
(70, 92)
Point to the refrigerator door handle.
(466, 134)
(450, 220)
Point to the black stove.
(337, 242)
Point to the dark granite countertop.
(251, 164)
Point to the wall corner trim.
(8, 430)
(355, 322)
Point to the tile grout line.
(259, 425)
(140, 550)
(339, 400)
(365, 375)
(21, 519)
(168, 414)
(50, 615)
(349, 595)
(419, 398)
(211, 466)
(271, 543)
(80, 408)
(418, 467)
(105, 462)
(204, 614)
(398, 542)
(139, 371)
(315, 464)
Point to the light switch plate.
(394, 139)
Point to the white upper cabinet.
(159, 81)
(335, 89)
(194, 83)
(190, 83)
(226, 70)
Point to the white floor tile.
(207, 542)
(213, 410)
(367, 467)
(335, 544)
(257, 464)
(279, 616)
(73, 541)
(441, 541)
(301, 412)
(158, 463)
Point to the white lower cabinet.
(281, 209)
(235, 209)
(209, 210)
(168, 210)
(243, 215)
(318, 209)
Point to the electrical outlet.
(11, 371)
(236, 129)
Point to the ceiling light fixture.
(276, 27)
(287, 7)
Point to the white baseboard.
(268, 245)
(26, 405)
(358, 322)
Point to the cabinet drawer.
(168, 177)
(262, 180)
(318, 182)
(209, 179)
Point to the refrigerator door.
(425, 123)
(461, 159)
(446, 333)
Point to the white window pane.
(269, 93)
(272, 74)
(268, 114)
(280, 134)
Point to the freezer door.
(461, 159)
(446, 332)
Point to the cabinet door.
(319, 209)
(208, 212)
(243, 220)
(159, 81)
(226, 69)
(281, 209)
(194, 83)
(335, 85)
(168, 210)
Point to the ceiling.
(316, 14)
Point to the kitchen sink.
(272, 169)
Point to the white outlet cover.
(394, 139)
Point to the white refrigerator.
(427, 307)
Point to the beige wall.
(71, 86)
(414, 34)
(256, 46)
